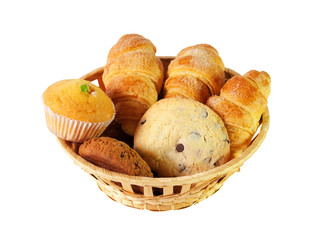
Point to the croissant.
(133, 78)
(197, 72)
(241, 103)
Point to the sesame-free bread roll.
(197, 72)
(242, 101)
(133, 78)
(180, 137)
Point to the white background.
(45, 196)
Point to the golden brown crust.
(239, 123)
(233, 114)
(262, 79)
(245, 94)
(241, 103)
(130, 43)
(186, 87)
(144, 64)
(203, 50)
(201, 65)
(129, 113)
(133, 77)
(131, 87)
(114, 155)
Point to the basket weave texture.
(162, 194)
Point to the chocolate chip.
(143, 122)
(204, 114)
(227, 140)
(207, 160)
(180, 147)
(122, 154)
(182, 167)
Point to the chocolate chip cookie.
(114, 155)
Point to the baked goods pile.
(138, 123)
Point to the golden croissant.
(242, 101)
(133, 78)
(197, 72)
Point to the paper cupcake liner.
(73, 130)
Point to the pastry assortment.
(140, 124)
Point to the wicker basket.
(161, 194)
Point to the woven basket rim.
(233, 164)
(215, 172)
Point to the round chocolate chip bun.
(178, 137)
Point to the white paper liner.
(73, 130)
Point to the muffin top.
(79, 99)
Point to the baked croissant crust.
(197, 72)
(133, 78)
(242, 101)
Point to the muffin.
(179, 137)
(114, 155)
(77, 110)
